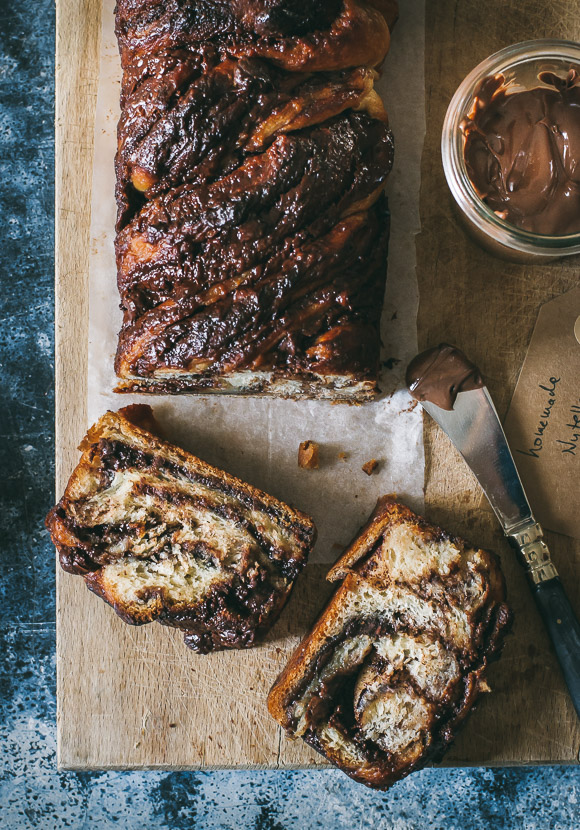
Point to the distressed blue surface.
(32, 793)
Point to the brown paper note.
(543, 422)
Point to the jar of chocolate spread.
(511, 150)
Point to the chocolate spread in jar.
(439, 374)
(522, 152)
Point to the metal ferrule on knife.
(535, 555)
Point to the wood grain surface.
(136, 697)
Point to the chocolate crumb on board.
(370, 466)
(308, 455)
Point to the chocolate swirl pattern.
(398, 658)
(252, 225)
(160, 535)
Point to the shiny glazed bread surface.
(252, 224)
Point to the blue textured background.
(32, 792)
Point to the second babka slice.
(398, 657)
(160, 535)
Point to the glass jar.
(520, 65)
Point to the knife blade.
(474, 428)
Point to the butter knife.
(474, 428)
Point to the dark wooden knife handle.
(564, 630)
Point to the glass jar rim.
(454, 166)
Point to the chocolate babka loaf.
(160, 535)
(252, 225)
(398, 658)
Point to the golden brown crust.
(414, 624)
(297, 667)
(387, 509)
(161, 535)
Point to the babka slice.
(160, 535)
(398, 658)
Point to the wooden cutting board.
(135, 697)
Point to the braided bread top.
(252, 230)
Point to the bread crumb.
(308, 455)
(342, 456)
(370, 466)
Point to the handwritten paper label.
(543, 422)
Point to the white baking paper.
(257, 438)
